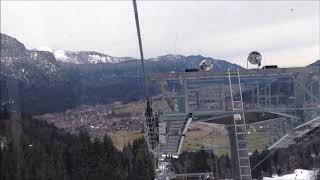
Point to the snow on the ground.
(299, 174)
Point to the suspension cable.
(140, 48)
(265, 158)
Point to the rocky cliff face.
(27, 65)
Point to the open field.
(121, 138)
(204, 138)
(197, 139)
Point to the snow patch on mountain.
(80, 57)
(87, 57)
(60, 55)
(99, 59)
(167, 57)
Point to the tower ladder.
(240, 130)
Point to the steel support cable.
(258, 164)
(274, 150)
(136, 15)
(142, 60)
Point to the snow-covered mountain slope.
(299, 174)
(83, 57)
(48, 64)
(87, 57)
(27, 65)
(61, 55)
(173, 61)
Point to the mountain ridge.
(39, 83)
(94, 57)
(22, 63)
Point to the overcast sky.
(286, 33)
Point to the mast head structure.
(255, 58)
(148, 112)
(206, 65)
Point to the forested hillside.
(203, 161)
(36, 150)
(303, 155)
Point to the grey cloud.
(227, 30)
